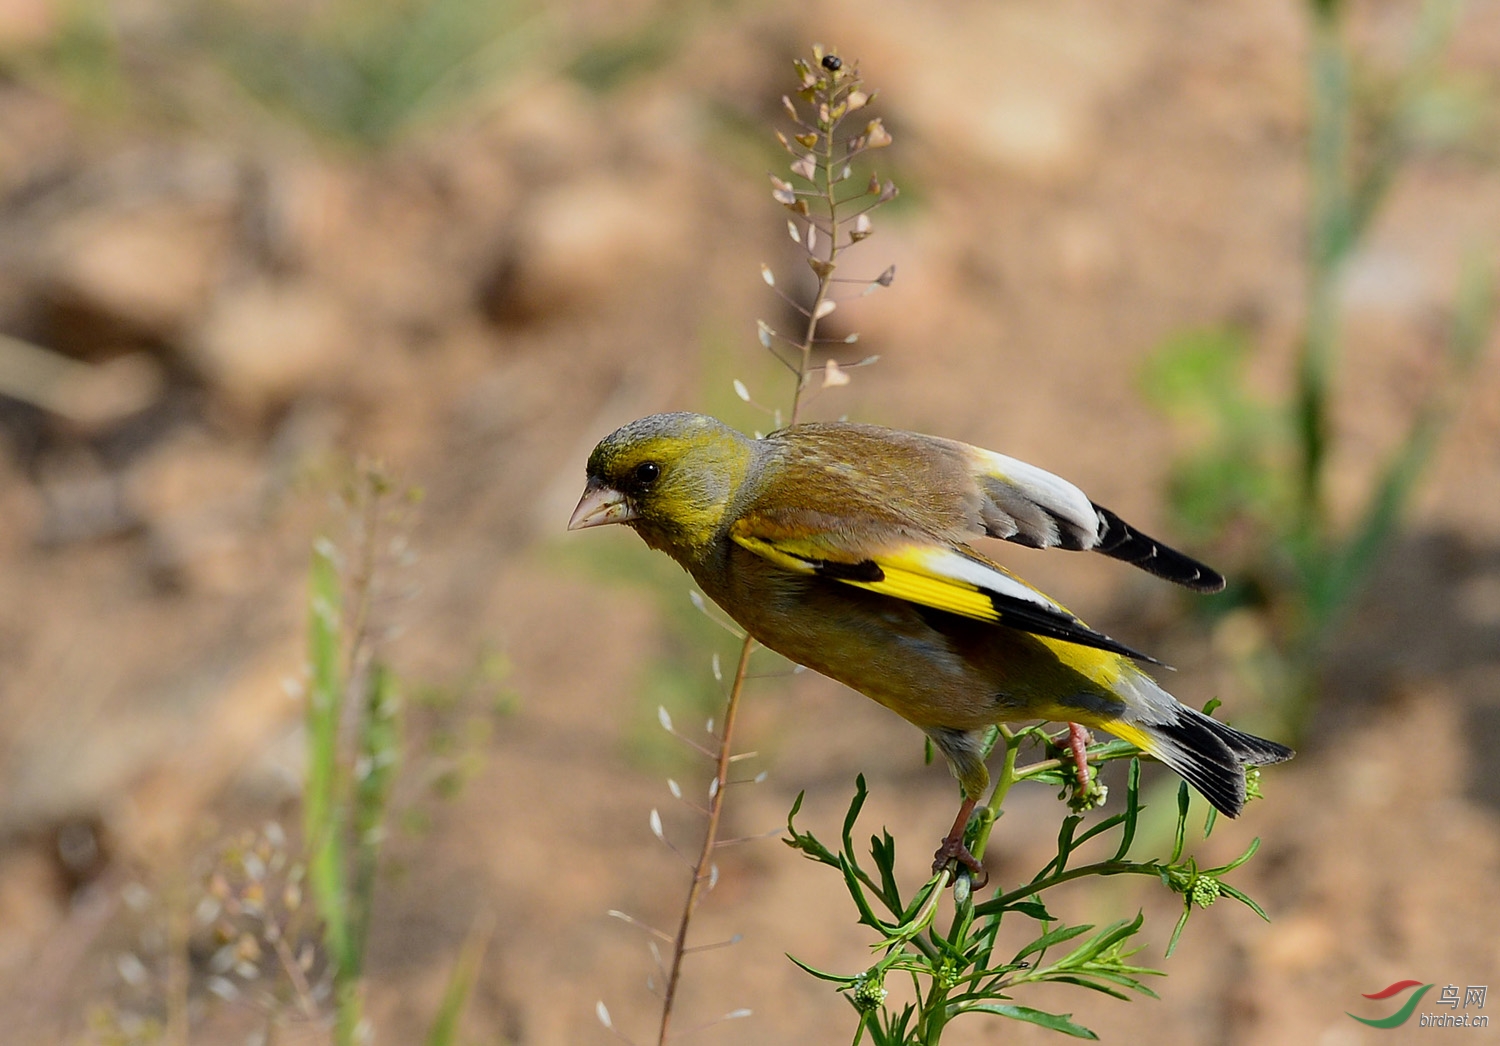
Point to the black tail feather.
(1119, 540)
(1212, 757)
(1249, 749)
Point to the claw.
(953, 849)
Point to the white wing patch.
(1059, 502)
(945, 563)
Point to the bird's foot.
(1078, 745)
(1088, 792)
(953, 851)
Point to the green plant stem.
(323, 812)
(703, 869)
(935, 1015)
(1008, 776)
(362, 584)
(444, 1030)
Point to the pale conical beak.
(600, 505)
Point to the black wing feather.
(1039, 621)
(1119, 540)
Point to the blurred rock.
(265, 342)
(33, 139)
(115, 275)
(191, 473)
(80, 850)
(21, 508)
(82, 502)
(550, 132)
(1087, 255)
(1019, 86)
(581, 244)
(197, 499)
(31, 904)
(187, 759)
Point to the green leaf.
(856, 890)
(1112, 821)
(1106, 938)
(987, 742)
(855, 806)
(805, 841)
(883, 850)
(1187, 909)
(1113, 749)
(1126, 981)
(1065, 846)
(1246, 901)
(983, 945)
(1062, 1022)
(461, 984)
(1033, 909)
(1084, 982)
(1241, 859)
(1132, 809)
(834, 978)
(1047, 940)
(1182, 812)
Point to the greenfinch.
(844, 547)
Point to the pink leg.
(1078, 744)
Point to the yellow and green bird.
(845, 548)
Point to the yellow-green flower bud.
(869, 993)
(1205, 891)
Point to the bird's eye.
(647, 473)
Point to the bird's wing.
(1030, 506)
(929, 573)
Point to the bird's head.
(671, 477)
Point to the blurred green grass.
(361, 72)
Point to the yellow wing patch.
(1135, 735)
(954, 580)
(916, 575)
(1098, 666)
(940, 593)
(774, 551)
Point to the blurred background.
(1228, 267)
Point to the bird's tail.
(1209, 755)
